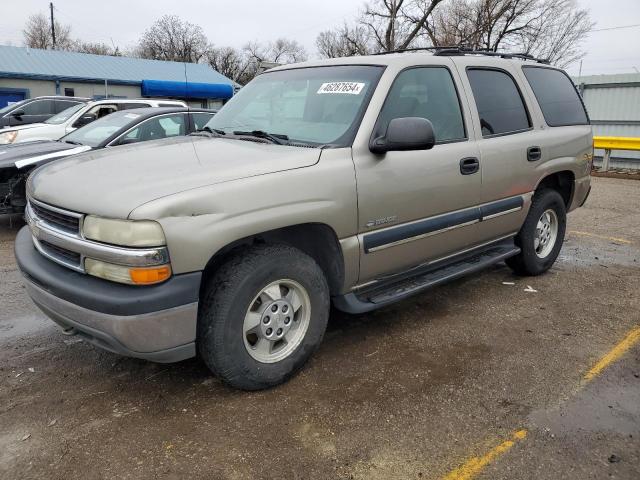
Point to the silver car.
(355, 182)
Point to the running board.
(402, 286)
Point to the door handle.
(534, 154)
(469, 165)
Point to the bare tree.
(229, 61)
(552, 29)
(280, 51)
(397, 24)
(95, 48)
(37, 33)
(173, 39)
(558, 34)
(344, 41)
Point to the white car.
(75, 117)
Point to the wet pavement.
(411, 391)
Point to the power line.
(616, 28)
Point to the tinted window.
(428, 93)
(39, 107)
(499, 102)
(200, 120)
(557, 97)
(158, 127)
(13, 106)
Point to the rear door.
(503, 117)
(416, 206)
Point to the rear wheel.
(540, 238)
(262, 315)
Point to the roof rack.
(458, 50)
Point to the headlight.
(8, 137)
(127, 233)
(130, 275)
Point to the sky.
(236, 22)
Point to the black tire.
(527, 262)
(227, 297)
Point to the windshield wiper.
(277, 138)
(208, 132)
(73, 142)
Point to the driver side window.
(426, 92)
(156, 128)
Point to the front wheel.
(540, 238)
(262, 315)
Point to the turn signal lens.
(129, 275)
(148, 276)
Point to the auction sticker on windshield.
(351, 88)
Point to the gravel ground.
(411, 391)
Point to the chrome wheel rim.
(276, 321)
(546, 233)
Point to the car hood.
(29, 154)
(114, 181)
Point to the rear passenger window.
(64, 104)
(557, 97)
(427, 92)
(499, 102)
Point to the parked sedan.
(121, 128)
(76, 117)
(36, 110)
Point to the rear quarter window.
(500, 105)
(557, 96)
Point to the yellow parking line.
(604, 237)
(475, 465)
(614, 354)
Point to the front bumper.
(157, 323)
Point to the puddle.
(610, 404)
(587, 253)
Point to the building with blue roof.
(28, 72)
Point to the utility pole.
(53, 26)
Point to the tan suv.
(354, 181)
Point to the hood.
(35, 153)
(114, 181)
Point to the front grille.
(67, 223)
(63, 254)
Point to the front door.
(417, 206)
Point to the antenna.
(186, 86)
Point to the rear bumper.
(581, 190)
(157, 323)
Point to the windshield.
(64, 115)
(95, 133)
(11, 106)
(319, 105)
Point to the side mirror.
(406, 133)
(17, 114)
(85, 120)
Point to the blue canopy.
(163, 88)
